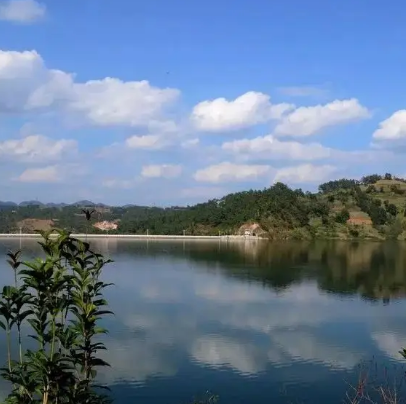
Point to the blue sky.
(177, 102)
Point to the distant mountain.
(56, 205)
(7, 203)
(89, 203)
(83, 203)
(25, 204)
(31, 203)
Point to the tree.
(60, 299)
(331, 198)
(370, 179)
(342, 216)
(333, 186)
(392, 209)
(388, 176)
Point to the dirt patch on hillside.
(106, 225)
(359, 221)
(30, 225)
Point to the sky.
(177, 102)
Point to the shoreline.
(136, 236)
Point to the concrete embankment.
(139, 237)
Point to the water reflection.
(267, 314)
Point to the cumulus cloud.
(27, 84)
(249, 109)
(227, 171)
(145, 142)
(31, 89)
(36, 148)
(114, 102)
(306, 121)
(270, 147)
(190, 143)
(305, 173)
(393, 128)
(22, 11)
(43, 174)
(117, 183)
(161, 171)
(51, 174)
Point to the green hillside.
(372, 208)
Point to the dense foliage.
(275, 209)
(333, 186)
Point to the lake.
(252, 322)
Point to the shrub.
(342, 216)
(370, 189)
(392, 209)
(60, 298)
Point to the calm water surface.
(250, 322)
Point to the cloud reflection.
(175, 313)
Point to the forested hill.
(371, 208)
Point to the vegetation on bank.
(373, 207)
(58, 302)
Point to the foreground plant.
(59, 299)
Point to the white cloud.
(305, 173)
(114, 102)
(249, 109)
(227, 171)
(145, 142)
(22, 11)
(272, 148)
(27, 84)
(188, 144)
(306, 121)
(161, 171)
(117, 183)
(44, 174)
(52, 174)
(37, 148)
(393, 128)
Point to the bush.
(392, 209)
(394, 229)
(342, 216)
(60, 299)
(354, 232)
